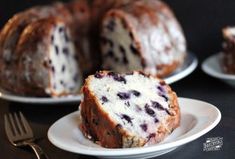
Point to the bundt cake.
(142, 35)
(228, 58)
(131, 34)
(127, 110)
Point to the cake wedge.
(127, 110)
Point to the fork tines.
(17, 127)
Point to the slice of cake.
(228, 59)
(10, 36)
(98, 9)
(127, 110)
(47, 61)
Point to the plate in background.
(39, 100)
(212, 67)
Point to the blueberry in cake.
(142, 35)
(127, 110)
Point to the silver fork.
(20, 134)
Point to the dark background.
(202, 20)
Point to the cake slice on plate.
(128, 110)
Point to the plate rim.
(142, 150)
(187, 71)
(39, 100)
(206, 67)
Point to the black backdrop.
(202, 20)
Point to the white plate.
(189, 65)
(197, 119)
(39, 100)
(211, 66)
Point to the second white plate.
(198, 118)
(212, 67)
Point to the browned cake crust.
(98, 126)
(33, 76)
(9, 37)
(81, 13)
(100, 7)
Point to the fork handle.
(38, 151)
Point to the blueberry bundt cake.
(127, 110)
(131, 34)
(228, 58)
(142, 35)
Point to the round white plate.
(211, 66)
(198, 118)
(189, 65)
(39, 100)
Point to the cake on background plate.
(118, 35)
(228, 58)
